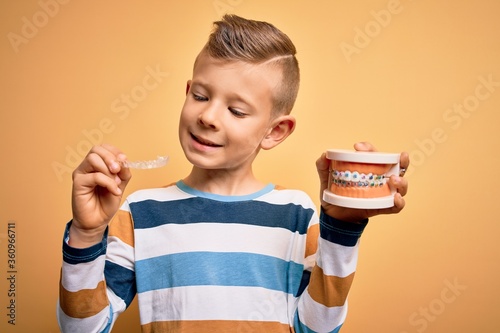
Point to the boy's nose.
(209, 117)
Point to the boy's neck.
(223, 182)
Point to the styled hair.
(256, 42)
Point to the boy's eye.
(236, 112)
(199, 97)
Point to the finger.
(404, 163)
(399, 204)
(92, 180)
(400, 184)
(364, 146)
(94, 162)
(115, 163)
(323, 166)
(113, 159)
(322, 163)
(124, 176)
(112, 156)
(103, 157)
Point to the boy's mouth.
(203, 141)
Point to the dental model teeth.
(149, 164)
(355, 176)
(347, 179)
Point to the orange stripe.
(83, 303)
(215, 326)
(329, 290)
(121, 227)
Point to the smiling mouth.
(204, 142)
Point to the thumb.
(364, 146)
(323, 166)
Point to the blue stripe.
(228, 198)
(151, 213)
(121, 280)
(306, 277)
(73, 256)
(220, 269)
(340, 232)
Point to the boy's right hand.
(98, 185)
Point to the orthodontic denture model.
(359, 179)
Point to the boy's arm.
(90, 292)
(97, 283)
(323, 306)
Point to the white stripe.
(125, 206)
(214, 303)
(118, 305)
(120, 253)
(288, 196)
(158, 194)
(83, 276)
(337, 260)
(285, 196)
(92, 324)
(310, 262)
(318, 317)
(218, 237)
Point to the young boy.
(218, 251)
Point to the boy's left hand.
(357, 215)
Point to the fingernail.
(114, 166)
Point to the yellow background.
(389, 72)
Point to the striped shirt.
(200, 262)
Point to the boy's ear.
(188, 86)
(281, 128)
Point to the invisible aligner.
(149, 164)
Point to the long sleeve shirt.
(200, 262)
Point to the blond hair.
(237, 38)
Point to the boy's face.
(227, 113)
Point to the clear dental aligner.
(149, 164)
(356, 179)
